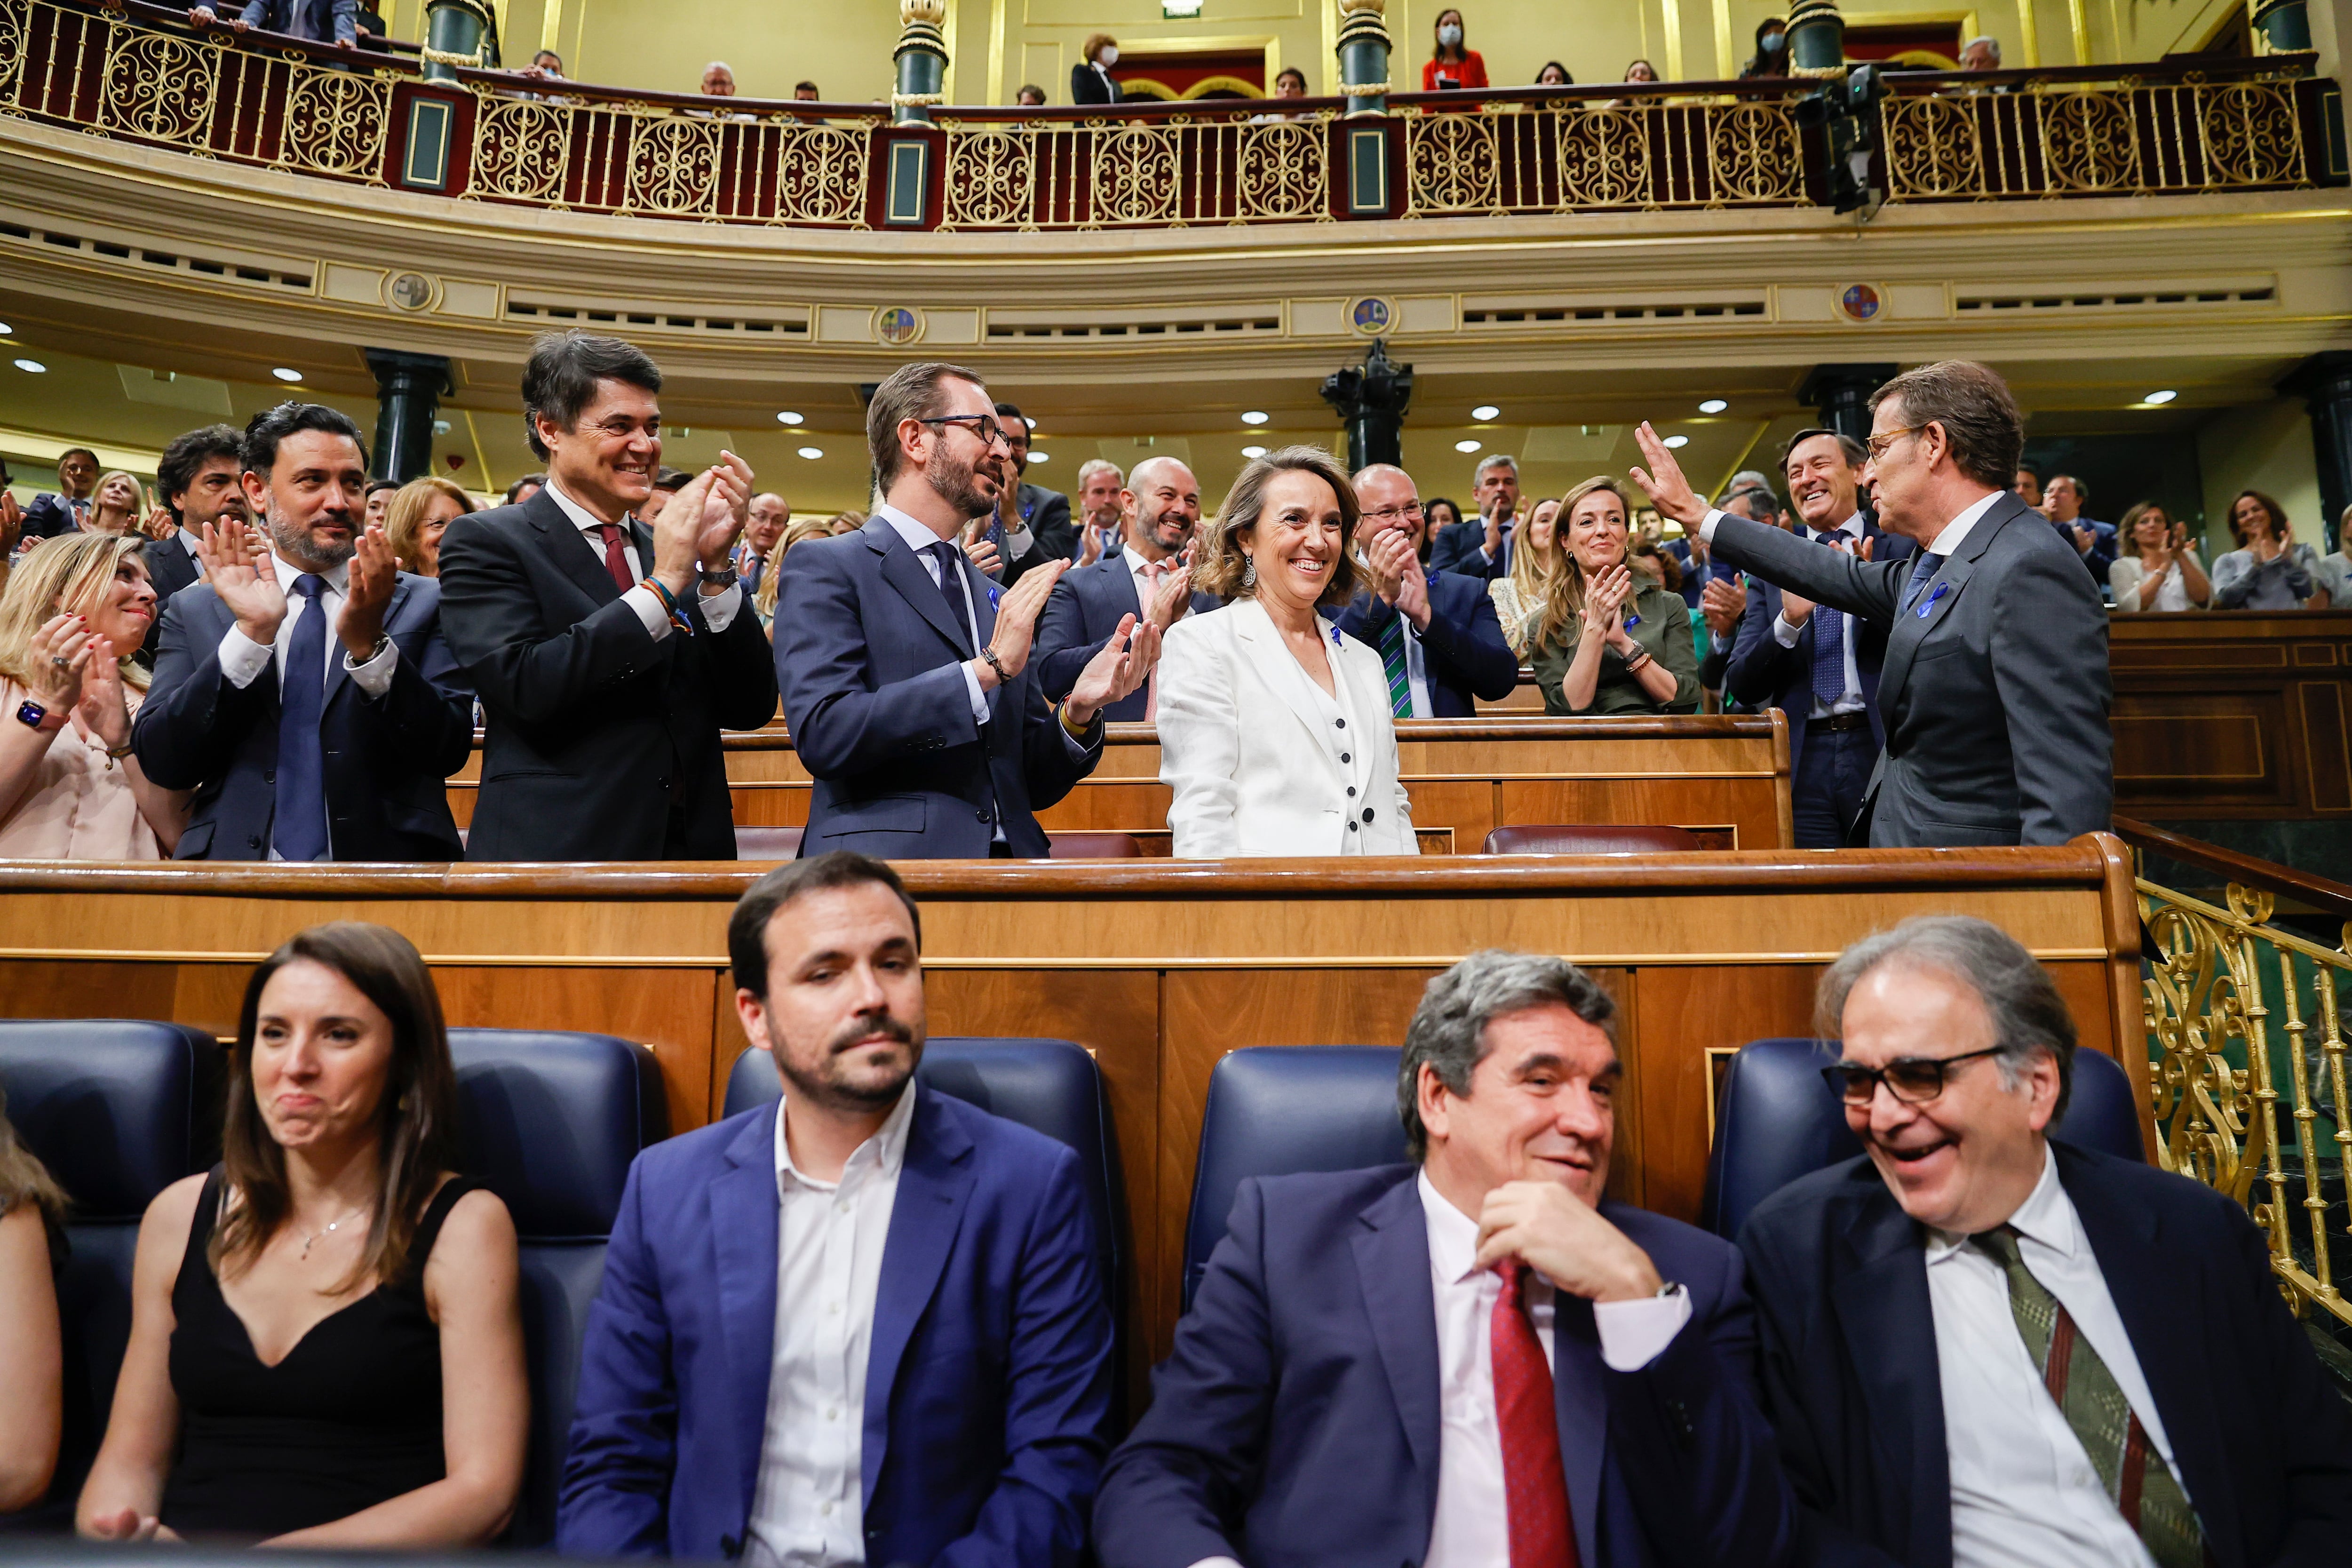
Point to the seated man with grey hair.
(1980, 54)
(1473, 1359)
(1983, 1347)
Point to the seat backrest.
(1277, 1110)
(118, 1109)
(1588, 838)
(550, 1121)
(767, 843)
(1778, 1121)
(1093, 846)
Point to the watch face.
(31, 713)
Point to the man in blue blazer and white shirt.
(863, 1325)
(1482, 548)
(303, 689)
(905, 671)
(1162, 504)
(1478, 1359)
(1819, 665)
(1440, 641)
(1983, 1348)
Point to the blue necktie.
(951, 587)
(1921, 570)
(1828, 644)
(298, 831)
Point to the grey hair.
(1495, 460)
(1448, 1032)
(2029, 1016)
(1748, 479)
(1988, 40)
(1093, 466)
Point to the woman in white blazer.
(1274, 730)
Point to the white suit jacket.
(1262, 761)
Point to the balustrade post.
(2285, 24)
(1371, 399)
(458, 32)
(2324, 383)
(1816, 38)
(1841, 394)
(1364, 78)
(408, 392)
(921, 57)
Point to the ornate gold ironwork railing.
(2082, 133)
(1170, 171)
(2246, 1025)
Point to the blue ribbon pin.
(1934, 593)
(994, 594)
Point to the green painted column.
(1364, 55)
(1816, 38)
(458, 33)
(921, 57)
(2285, 24)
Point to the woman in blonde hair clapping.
(1606, 641)
(116, 505)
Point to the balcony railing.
(135, 72)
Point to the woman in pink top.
(74, 610)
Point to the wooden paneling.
(2231, 714)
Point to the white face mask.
(1450, 36)
(1109, 56)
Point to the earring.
(1249, 572)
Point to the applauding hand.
(1604, 605)
(1722, 604)
(1119, 669)
(1397, 574)
(1016, 621)
(238, 565)
(367, 592)
(1663, 482)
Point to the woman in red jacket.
(1452, 66)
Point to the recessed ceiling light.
(1713, 405)
(1467, 445)
(32, 365)
(5, 329)
(1485, 410)
(812, 452)
(1255, 416)
(1253, 451)
(1041, 457)
(2166, 396)
(1677, 441)
(282, 373)
(788, 417)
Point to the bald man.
(1151, 574)
(762, 526)
(1436, 632)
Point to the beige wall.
(2267, 448)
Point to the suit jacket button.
(1345, 757)
(270, 777)
(1341, 723)
(1351, 792)
(252, 841)
(983, 817)
(1351, 827)
(1368, 810)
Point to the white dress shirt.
(920, 537)
(717, 609)
(1786, 635)
(808, 1508)
(2022, 1488)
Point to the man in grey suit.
(1994, 689)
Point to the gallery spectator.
(1030, 96)
(717, 80)
(2157, 567)
(523, 489)
(419, 515)
(1450, 66)
(2028, 487)
(2063, 501)
(378, 510)
(1980, 54)
(1554, 74)
(1091, 78)
(62, 510)
(322, 21)
(1484, 550)
(1607, 642)
(1290, 82)
(764, 526)
(2268, 571)
(2338, 566)
(546, 64)
(1641, 71)
(1520, 593)
(1771, 56)
(804, 92)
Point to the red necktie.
(616, 561)
(1534, 1486)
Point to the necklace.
(312, 1239)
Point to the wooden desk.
(2234, 713)
(1725, 777)
(1183, 961)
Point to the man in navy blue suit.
(1816, 664)
(1483, 549)
(864, 1324)
(1436, 632)
(303, 689)
(1982, 1347)
(1161, 505)
(1479, 1360)
(2063, 501)
(905, 672)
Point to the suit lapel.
(1888, 1329)
(934, 1188)
(1911, 628)
(913, 581)
(744, 1239)
(1391, 1249)
(573, 553)
(1580, 1395)
(1263, 645)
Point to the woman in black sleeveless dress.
(326, 1348)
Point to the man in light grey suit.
(1994, 692)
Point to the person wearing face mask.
(1982, 1345)
(1091, 78)
(1150, 576)
(303, 689)
(1450, 66)
(1604, 642)
(1771, 56)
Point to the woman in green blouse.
(1605, 640)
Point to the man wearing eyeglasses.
(1437, 634)
(1984, 1345)
(905, 671)
(1993, 693)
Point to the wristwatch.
(33, 716)
(717, 579)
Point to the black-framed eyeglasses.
(983, 425)
(1914, 1080)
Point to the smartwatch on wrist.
(33, 716)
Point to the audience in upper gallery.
(718, 79)
(378, 510)
(546, 66)
(1275, 730)
(1519, 593)
(1982, 1346)
(1771, 56)
(1980, 54)
(32, 1251)
(608, 654)
(1030, 96)
(2157, 568)
(2028, 486)
(2063, 497)
(1149, 578)
(199, 477)
(763, 528)
(1997, 727)
(804, 92)
(303, 689)
(2268, 571)
(1554, 74)
(1031, 525)
(1091, 78)
(1289, 82)
(1641, 71)
(798, 531)
(1450, 66)
(72, 617)
(1440, 640)
(322, 21)
(418, 516)
(904, 673)
(1478, 1357)
(61, 510)
(521, 490)
(1814, 662)
(1485, 550)
(863, 1324)
(326, 1346)
(1606, 642)
(1101, 515)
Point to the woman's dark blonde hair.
(1218, 561)
(61, 575)
(1564, 597)
(417, 1121)
(403, 517)
(23, 1178)
(798, 531)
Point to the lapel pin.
(1934, 593)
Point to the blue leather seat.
(1276, 1111)
(117, 1109)
(1778, 1122)
(550, 1121)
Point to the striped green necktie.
(1393, 661)
(2093, 1404)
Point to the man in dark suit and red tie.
(608, 655)
(1475, 1360)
